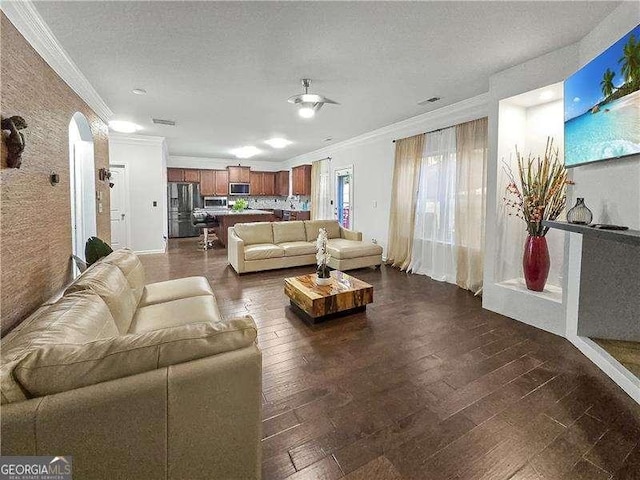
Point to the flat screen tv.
(602, 105)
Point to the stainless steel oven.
(215, 202)
(239, 189)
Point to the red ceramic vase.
(535, 263)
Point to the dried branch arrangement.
(540, 193)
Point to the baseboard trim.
(149, 252)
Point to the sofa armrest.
(350, 234)
(196, 420)
(235, 251)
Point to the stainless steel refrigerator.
(182, 198)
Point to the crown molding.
(135, 139)
(477, 106)
(24, 16)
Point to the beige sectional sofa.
(253, 247)
(133, 380)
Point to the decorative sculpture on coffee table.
(14, 140)
(539, 193)
(323, 274)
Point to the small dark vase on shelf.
(536, 263)
(579, 214)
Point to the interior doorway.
(119, 207)
(82, 180)
(344, 197)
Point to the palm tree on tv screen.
(630, 60)
(607, 83)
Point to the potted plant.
(323, 274)
(240, 205)
(539, 193)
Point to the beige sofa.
(254, 247)
(133, 380)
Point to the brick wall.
(35, 217)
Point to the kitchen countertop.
(221, 212)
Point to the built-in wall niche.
(527, 121)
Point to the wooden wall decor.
(13, 139)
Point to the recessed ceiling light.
(122, 126)
(278, 142)
(546, 95)
(139, 91)
(246, 151)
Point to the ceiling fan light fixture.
(310, 98)
(307, 111)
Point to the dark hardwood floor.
(424, 385)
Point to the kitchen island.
(225, 218)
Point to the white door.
(119, 214)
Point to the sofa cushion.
(292, 249)
(174, 289)
(253, 233)
(312, 226)
(343, 249)
(130, 265)
(59, 368)
(110, 284)
(284, 232)
(75, 318)
(175, 313)
(261, 251)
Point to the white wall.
(144, 158)
(178, 161)
(372, 157)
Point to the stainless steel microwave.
(215, 202)
(239, 189)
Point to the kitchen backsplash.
(284, 203)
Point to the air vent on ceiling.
(429, 100)
(160, 121)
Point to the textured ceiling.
(223, 70)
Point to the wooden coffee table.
(316, 303)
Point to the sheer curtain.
(403, 200)
(433, 236)
(321, 190)
(471, 189)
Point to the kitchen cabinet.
(263, 184)
(255, 183)
(208, 183)
(301, 180)
(191, 175)
(175, 174)
(239, 174)
(282, 183)
(222, 183)
(269, 184)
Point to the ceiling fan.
(309, 103)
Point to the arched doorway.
(82, 177)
